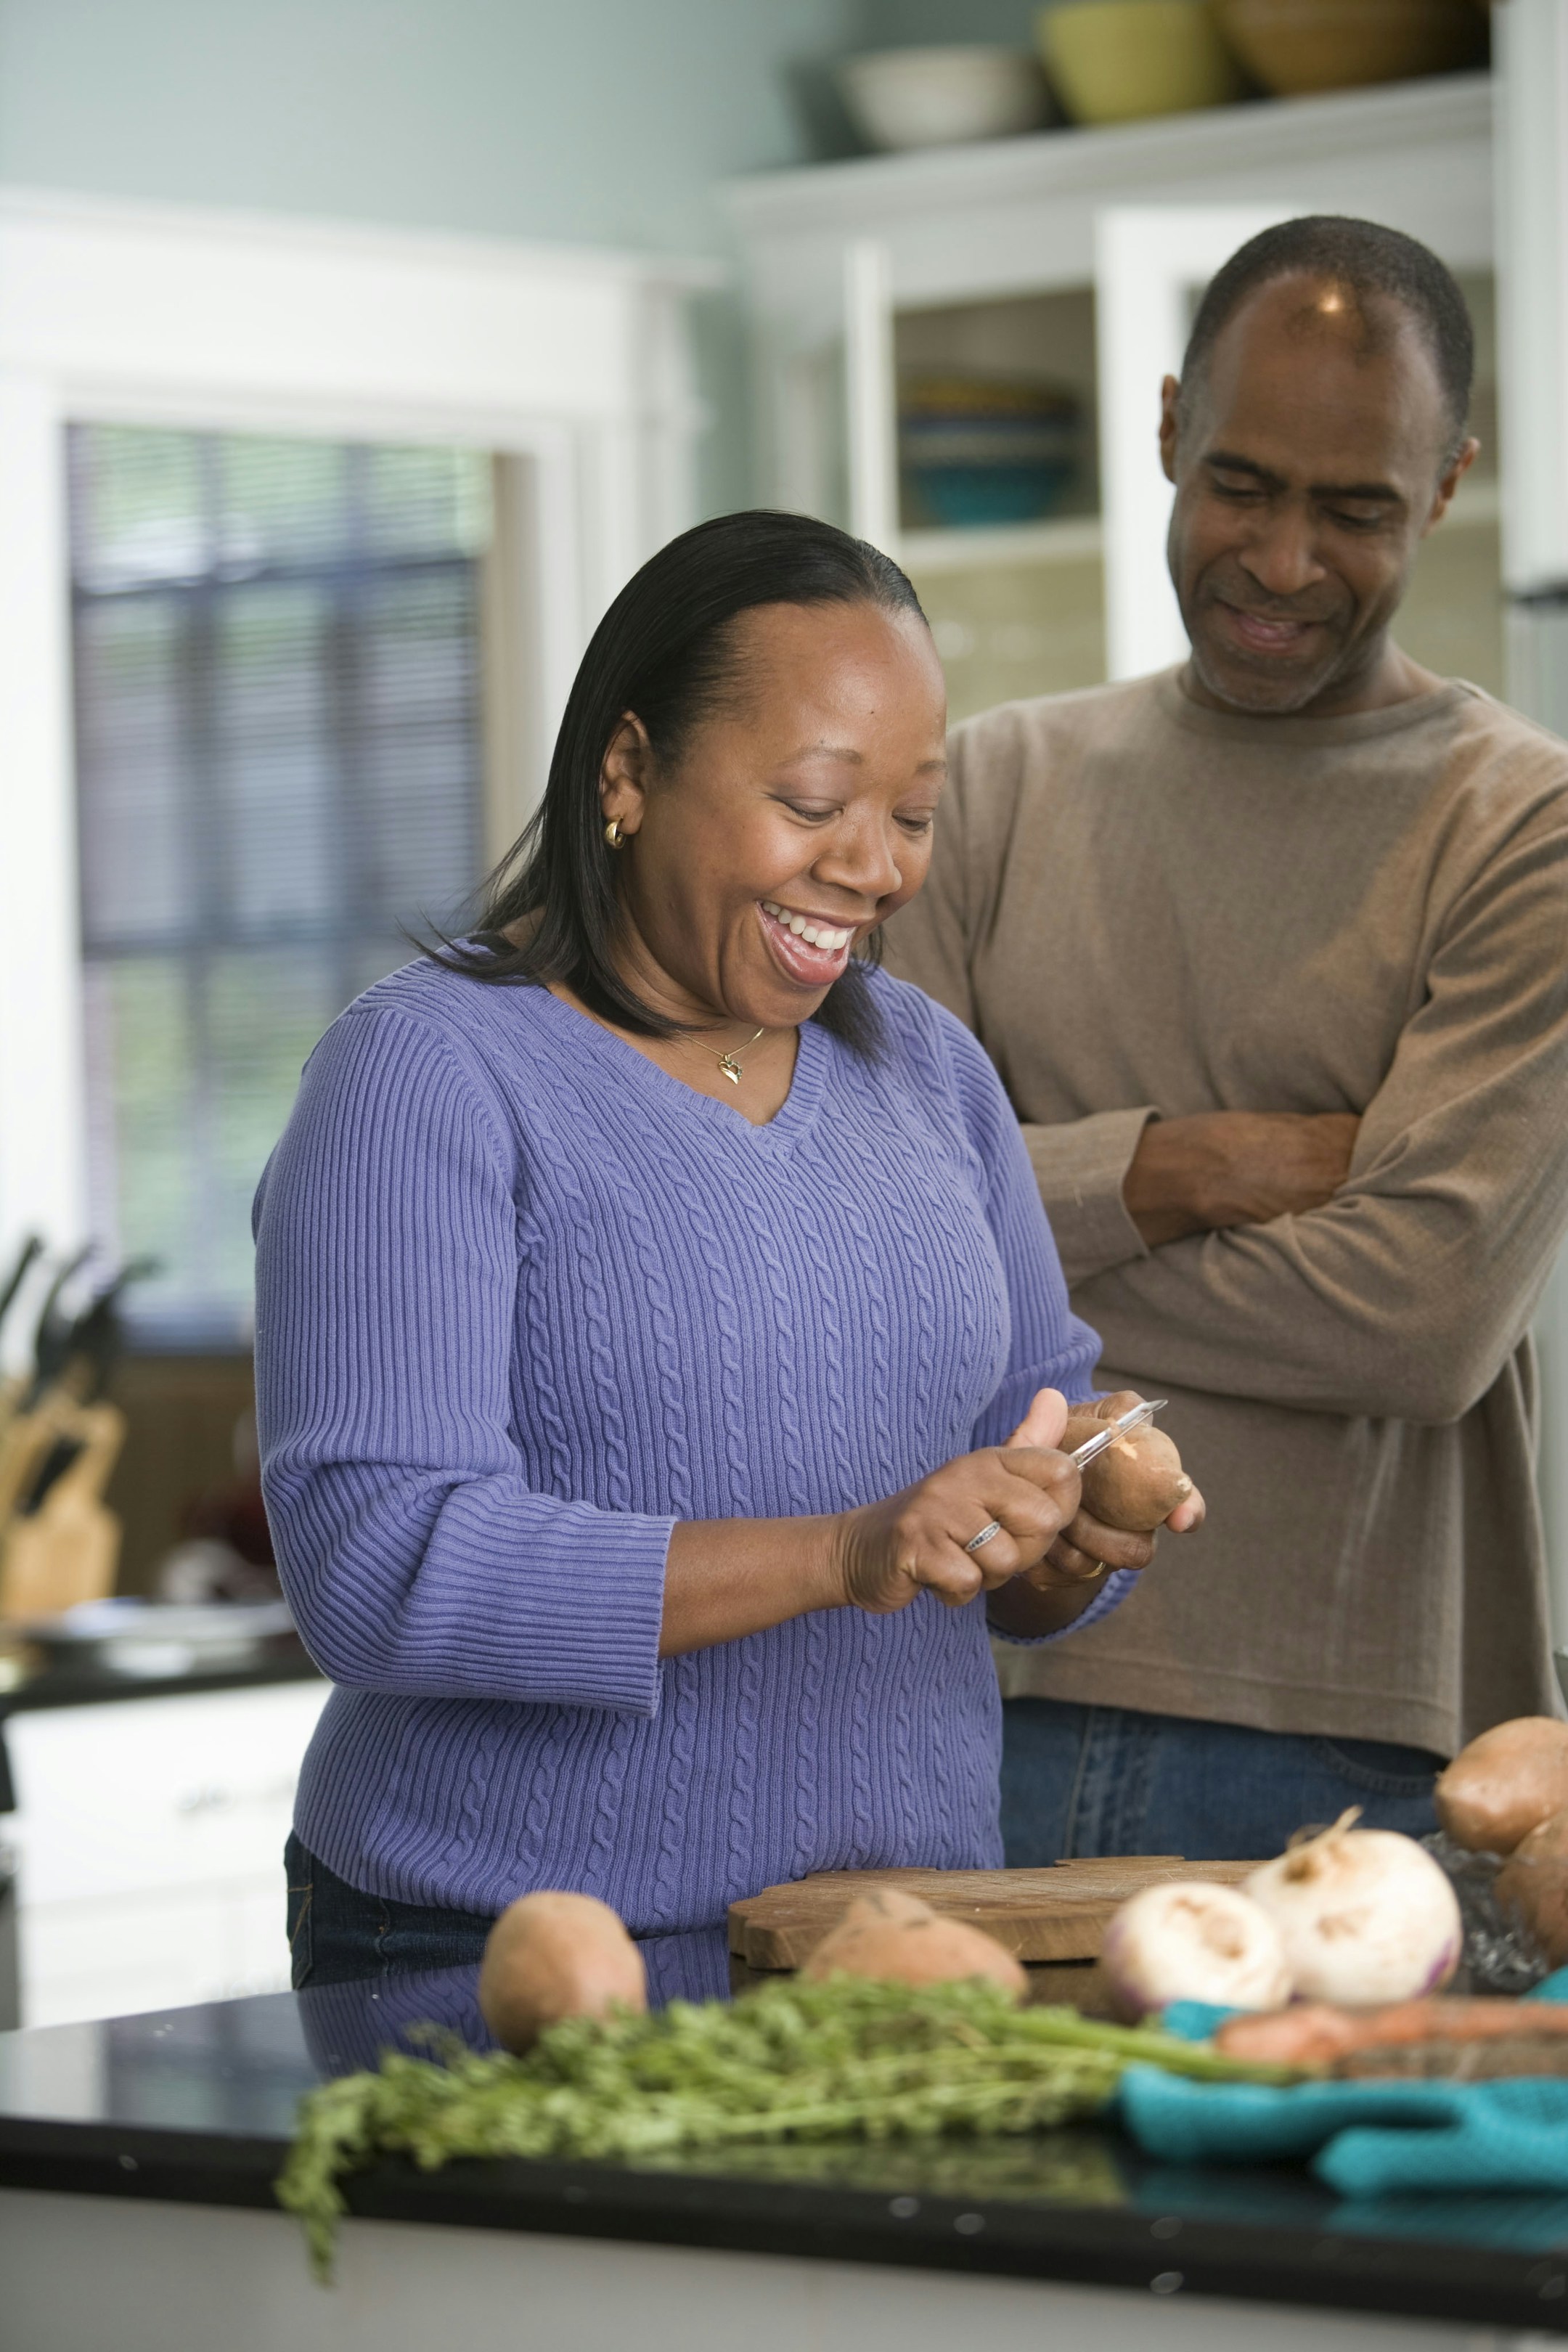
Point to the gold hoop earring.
(614, 836)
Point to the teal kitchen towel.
(1365, 2139)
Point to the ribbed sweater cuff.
(1117, 1586)
(1080, 1168)
(483, 1591)
(571, 1618)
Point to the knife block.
(69, 1549)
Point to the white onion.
(1188, 1940)
(1364, 1915)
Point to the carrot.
(1317, 2034)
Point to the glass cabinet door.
(1005, 452)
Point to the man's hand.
(1234, 1168)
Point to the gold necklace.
(729, 1062)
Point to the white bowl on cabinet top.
(943, 97)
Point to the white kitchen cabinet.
(1077, 255)
(149, 1835)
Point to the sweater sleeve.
(1079, 1165)
(413, 1552)
(1403, 1298)
(1051, 1347)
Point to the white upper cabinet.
(1075, 257)
(1533, 290)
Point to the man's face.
(1315, 455)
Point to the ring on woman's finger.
(992, 1528)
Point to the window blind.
(279, 764)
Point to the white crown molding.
(160, 305)
(876, 191)
(128, 217)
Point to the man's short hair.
(1364, 260)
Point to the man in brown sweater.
(1271, 952)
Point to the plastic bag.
(1500, 1956)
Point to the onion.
(1190, 1941)
(1364, 1915)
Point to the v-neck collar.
(589, 1039)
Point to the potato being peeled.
(555, 1956)
(902, 1940)
(1135, 1484)
(1504, 1784)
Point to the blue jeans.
(336, 1934)
(339, 1937)
(1083, 1781)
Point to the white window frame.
(572, 366)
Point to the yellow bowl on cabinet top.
(1124, 60)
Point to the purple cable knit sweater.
(522, 1302)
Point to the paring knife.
(1137, 1418)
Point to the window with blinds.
(279, 762)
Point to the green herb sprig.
(850, 2059)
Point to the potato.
(1505, 1783)
(897, 1938)
(1135, 1484)
(555, 1956)
(1532, 1886)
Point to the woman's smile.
(807, 950)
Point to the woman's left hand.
(1087, 1547)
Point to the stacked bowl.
(976, 449)
(1129, 60)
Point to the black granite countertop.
(284, 1661)
(196, 2105)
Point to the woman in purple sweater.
(661, 1345)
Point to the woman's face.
(804, 807)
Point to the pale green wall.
(605, 120)
(906, 24)
(601, 121)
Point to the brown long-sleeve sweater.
(1144, 908)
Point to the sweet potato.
(1135, 1484)
(555, 1956)
(1504, 1784)
(1532, 1886)
(896, 1937)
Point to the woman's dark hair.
(666, 650)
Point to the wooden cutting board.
(1059, 1914)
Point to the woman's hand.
(1086, 1544)
(726, 1578)
(888, 1552)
